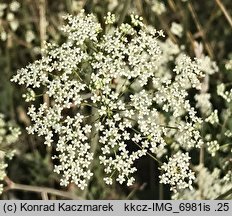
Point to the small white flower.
(120, 179)
(176, 29)
(108, 180)
(14, 6)
(137, 138)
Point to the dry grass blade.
(43, 190)
(200, 29)
(224, 195)
(225, 12)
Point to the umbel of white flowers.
(9, 134)
(113, 90)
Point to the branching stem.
(43, 190)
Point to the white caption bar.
(116, 207)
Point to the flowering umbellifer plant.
(108, 91)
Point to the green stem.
(152, 156)
(94, 145)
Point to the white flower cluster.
(207, 65)
(203, 103)
(177, 172)
(228, 176)
(213, 118)
(8, 135)
(221, 91)
(228, 65)
(228, 133)
(213, 147)
(176, 29)
(209, 185)
(110, 18)
(158, 7)
(30, 95)
(203, 97)
(9, 10)
(111, 87)
(189, 72)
